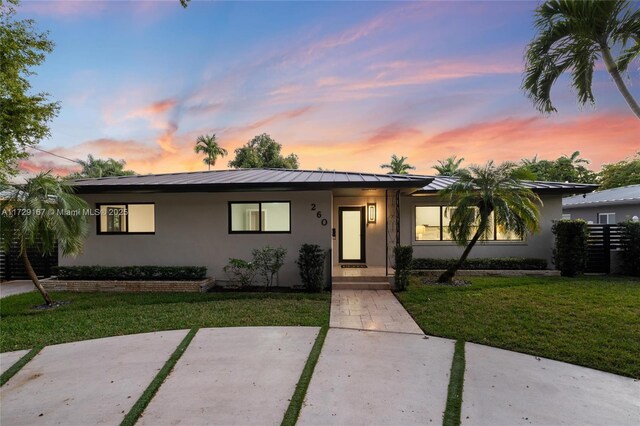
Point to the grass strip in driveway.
(4, 378)
(138, 408)
(456, 384)
(291, 416)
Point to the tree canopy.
(565, 168)
(622, 173)
(96, 168)
(24, 116)
(449, 166)
(263, 151)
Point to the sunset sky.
(342, 84)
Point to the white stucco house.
(205, 218)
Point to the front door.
(351, 247)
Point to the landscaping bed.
(199, 286)
(590, 321)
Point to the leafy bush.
(630, 239)
(268, 261)
(403, 260)
(132, 273)
(240, 271)
(570, 253)
(498, 263)
(311, 259)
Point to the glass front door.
(352, 234)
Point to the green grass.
(456, 383)
(11, 371)
(590, 321)
(293, 411)
(138, 408)
(94, 315)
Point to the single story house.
(205, 218)
(604, 207)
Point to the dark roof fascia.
(545, 191)
(267, 186)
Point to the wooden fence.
(602, 239)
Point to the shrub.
(630, 240)
(570, 253)
(240, 271)
(403, 259)
(132, 273)
(498, 263)
(311, 259)
(268, 261)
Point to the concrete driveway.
(10, 288)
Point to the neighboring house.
(604, 207)
(205, 218)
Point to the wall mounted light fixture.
(371, 213)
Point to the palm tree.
(449, 166)
(484, 197)
(397, 166)
(96, 168)
(572, 36)
(40, 213)
(209, 146)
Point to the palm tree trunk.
(34, 278)
(612, 67)
(447, 276)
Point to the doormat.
(353, 266)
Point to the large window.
(432, 224)
(251, 217)
(126, 218)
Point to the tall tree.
(40, 213)
(572, 36)
(397, 166)
(482, 196)
(566, 168)
(97, 168)
(622, 173)
(24, 116)
(449, 166)
(263, 151)
(208, 145)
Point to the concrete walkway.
(508, 388)
(371, 378)
(375, 310)
(7, 359)
(86, 383)
(233, 376)
(10, 288)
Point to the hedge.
(571, 249)
(403, 256)
(132, 273)
(498, 263)
(630, 239)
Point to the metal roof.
(442, 182)
(249, 179)
(615, 196)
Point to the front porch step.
(360, 279)
(361, 285)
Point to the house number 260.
(323, 222)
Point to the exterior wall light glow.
(371, 213)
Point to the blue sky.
(342, 84)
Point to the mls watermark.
(64, 212)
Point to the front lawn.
(590, 321)
(94, 315)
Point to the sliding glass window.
(432, 224)
(254, 217)
(126, 218)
